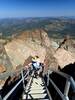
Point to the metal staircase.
(36, 90)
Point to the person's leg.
(42, 71)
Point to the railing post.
(72, 83)
(1, 98)
(23, 79)
(48, 78)
(66, 90)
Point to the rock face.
(36, 42)
(27, 44)
(67, 44)
(4, 59)
(18, 51)
(35, 35)
(2, 82)
(64, 57)
(2, 69)
(65, 53)
(31, 43)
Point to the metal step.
(35, 96)
(36, 91)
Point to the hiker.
(42, 69)
(36, 65)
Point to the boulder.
(2, 82)
(64, 57)
(2, 69)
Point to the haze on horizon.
(36, 8)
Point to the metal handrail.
(72, 83)
(64, 96)
(48, 92)
(58, 90)
(69, 81)
(61, 74)
(13, 89)
(68, 77)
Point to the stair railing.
(14, 88)
(69, 82)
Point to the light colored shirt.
(36, 64)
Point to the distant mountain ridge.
(55, 26)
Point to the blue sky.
(36, 8)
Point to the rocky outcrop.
(67, 44)
(4, 59)
(19, 50)
(2, 69)
(2, 82)
(65, 53)
(50, 60)
(35, 35)
(37, 42)
(64, 57)
(30, 43)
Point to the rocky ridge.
(31, 43)
(17, 53)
